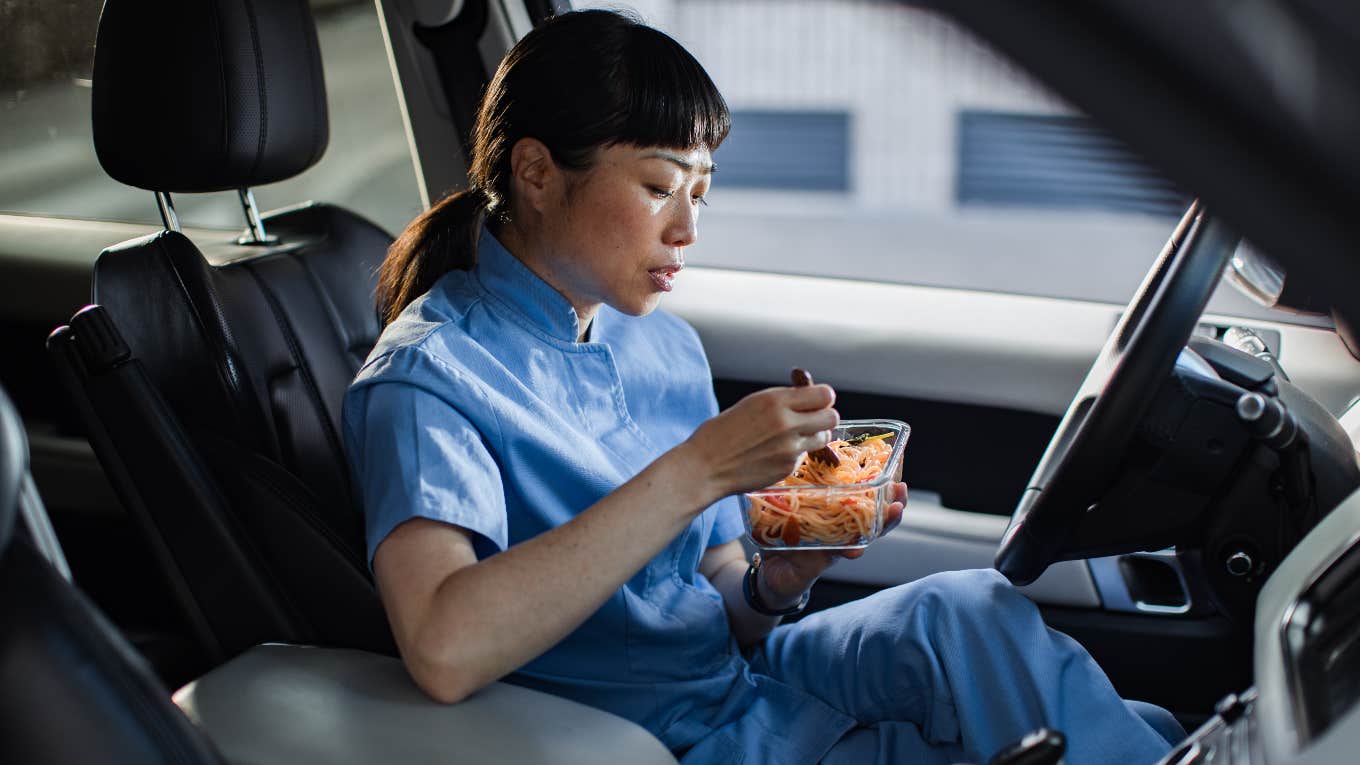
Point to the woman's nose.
(684, 228)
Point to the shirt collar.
(506, 277)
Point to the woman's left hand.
(788, 574)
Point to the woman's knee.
(936, 607)
(970, 591)
(978, 598)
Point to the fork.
(801, 379)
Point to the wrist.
(761, 600)
(775, 598)
(691, 472)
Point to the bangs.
(590, 79)
(666, 98)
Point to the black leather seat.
(210, 377)
(71, 689)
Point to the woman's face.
(618, 232)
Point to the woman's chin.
(638, 306)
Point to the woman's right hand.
(758, 441)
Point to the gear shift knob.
(1042, 747)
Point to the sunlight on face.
(624, 225)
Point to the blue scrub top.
(478, 408)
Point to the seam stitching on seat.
(302, 502)
(216, 17)
(309, 382)
(260, 89)
(316, 82)
(332, 313)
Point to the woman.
(549, 488)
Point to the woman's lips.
(664, 278)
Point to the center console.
(1303, 710)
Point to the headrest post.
(254, 226)
(167, 208)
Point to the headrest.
(13, 466)
(207, 95)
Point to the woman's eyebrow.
(708, 168)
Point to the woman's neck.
(535, 257)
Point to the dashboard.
(1305, 707)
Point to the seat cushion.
(288, 704)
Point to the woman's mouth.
(664, 278)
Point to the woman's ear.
(533, 173)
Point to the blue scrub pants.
(953, 667)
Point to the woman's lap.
(957, 657)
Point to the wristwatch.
(751, 589)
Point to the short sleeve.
(415, 456)
(727, 523)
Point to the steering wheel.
(1083, 459)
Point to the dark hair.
(579, 82)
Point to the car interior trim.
(754, 326)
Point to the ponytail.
(439, 240)
(577, 82)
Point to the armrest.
(297, 704)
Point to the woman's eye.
(661, 193)
(700, 200)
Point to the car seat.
(210, 377)
(71, 688)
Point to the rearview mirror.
(1261, 278)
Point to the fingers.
(812, 441)
(892, 516)
(800, 410)
(806, 562)
(814, 430)
(816, 424)
(810, 398)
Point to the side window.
(883, 141)
(796, 150)
(47, 160)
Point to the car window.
(47, 160)
(882, 141)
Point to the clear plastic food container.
(843, 509)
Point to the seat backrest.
(71, 689)
(211, 377)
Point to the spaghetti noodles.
(824, 516)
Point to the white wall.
(903, 74)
